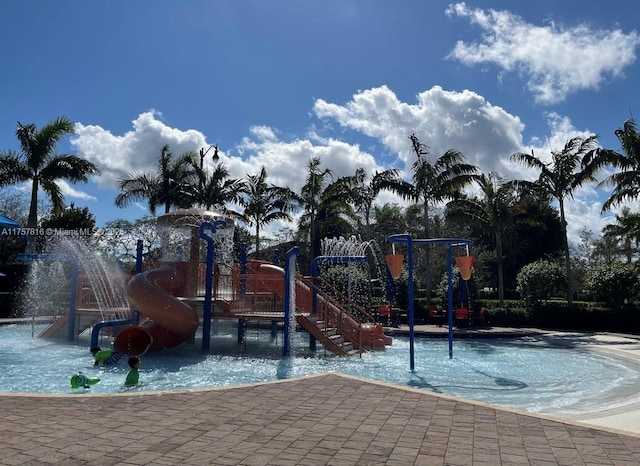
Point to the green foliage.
(615, 283)
(117, 240)
(70, 218)
(538, 280)
(507, 316)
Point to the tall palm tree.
(625, 231)
(625, 182)
(213, 190)
(264, 203)
(164, 187)
(365, 193)
(494, 212)
(38, 163)
(434, 183)
(569, 169)
(310, 199)
(336, 212)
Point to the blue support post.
(135, 315)
(411, 311)
(206, 308)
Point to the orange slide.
(170, 321)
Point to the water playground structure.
(463, 262)
(196, 283)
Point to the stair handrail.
(343, 303)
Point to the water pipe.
(135, 314)
(206, 308)
(73, 285)
(289, 303)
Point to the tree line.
(512, 222)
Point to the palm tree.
(336, 212)
(365, 194)
(310, 199)
(626, 232)
(213, 190)
(569, 169)
(165, 187)
(494, 212)
(625, 182)
(436, 182)
(265, 203)
(38, 163)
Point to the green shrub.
(538, 280)
(615, 284)
(507, 317)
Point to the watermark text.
(38, 231)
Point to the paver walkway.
(324, 419)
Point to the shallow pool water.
(515, 373)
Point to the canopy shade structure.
(6, 222)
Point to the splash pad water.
(519, 373)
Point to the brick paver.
(324, 419)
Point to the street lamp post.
(205, 152)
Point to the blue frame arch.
(453, 243)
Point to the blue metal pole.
(135, 315)
(411, 312)
(450, 299)
(206, 308)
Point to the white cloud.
(135, 151)
(68, 191)
(286, 162)
(486, 134)
(556, 59)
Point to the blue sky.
(276, 82)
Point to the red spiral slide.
(170, 321)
